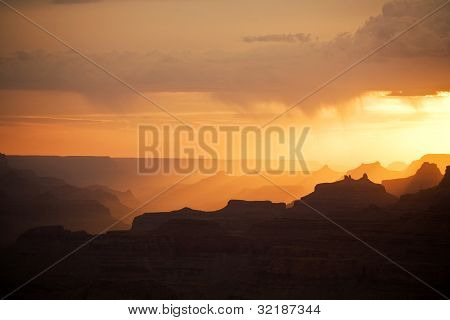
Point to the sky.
(226, 62)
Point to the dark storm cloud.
(415, 64)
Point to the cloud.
(73, 1)
(297, 37)
(417, 63)
(19, 3)
(42, 2)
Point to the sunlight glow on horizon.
(396, 128)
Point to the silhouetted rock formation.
(426, 177)
(30, 201)
(445, 182)
(348, 194)
(127, 198)
(151, 221)
(237, 215)
(199, 191)
(3, 163)
(441, 160)
(376, 172)
(243, 207)
(251, 250)
(435, 199)
(82, 171)
(51, 235)
(246, 250)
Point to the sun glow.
(395, 127)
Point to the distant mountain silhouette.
(326, 173)
(210, 193)
(441, 160)
(375, 171)
(236, 215)
(445, 182)
(125, 197)
(83, 171)
(427, 176)
(122, 174)
(428, 211)
(199, 191)
(213, 192)
(436, 198)
(271, 192)
(29, 201)
(245, 250)
(397, 166)
(77, 171)
(348, 194)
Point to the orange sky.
(219, 62)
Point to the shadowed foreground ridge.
(252, 250)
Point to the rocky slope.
(250, 250)
(427, 176)
(29, 201)
(348, 194)
(375, 171)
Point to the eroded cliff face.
(375, 171)
(348, 194)
(280, 258)
(28, 201)
(435, 199)
(445, 182)
(427, 176)
(247, 250)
